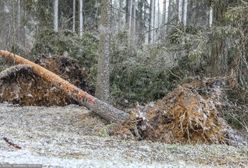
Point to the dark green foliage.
(139, 84)
(84, 49)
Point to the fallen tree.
(188, 114)
(105, 110)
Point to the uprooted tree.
(189, 114)
(106, 111)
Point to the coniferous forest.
(141, 74)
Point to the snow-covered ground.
(72, 137)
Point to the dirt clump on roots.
(188, 114)
(19, 85)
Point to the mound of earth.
(188, 114)
(19, 85)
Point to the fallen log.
(104, 110)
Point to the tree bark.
(81, 21)
(153, 20)
(102, 86)
(106, 111)
(180, 11)
(185, 12)
(130, 23)
(55, 17)
(158, 14)
(18, 20)
(134, 20)
(119, 23)
(74, 16)
(127, 12)
(164, 11)
(150, 23)
(210, 16)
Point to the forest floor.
(73, 137)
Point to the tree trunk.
(158, 14)
(127, 12)
(134, 20)
(158, 21)
(210, 16)
(180, 11)
(74, 16)
(165, 18)
(153, 20)
(167, 13)
(55, 17)
(185, 12)
(18, 21)
(119, 23)
(81, 21)
(150, 23)
(164, 11)
(106, 111)
(130, 20)
(102, 86)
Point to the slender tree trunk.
(150, 23)
(180, 11)
(158, 21)
(167, 13)
(134, 20)
(210, 16)
(185, 12)
(18, 20)
(101, 108)
(153, 20)
(130, 17)
(158, 13)
(127, 12)
(165, 17)
(130, 24)
(140, 21)
(119, 23)
(55, 17)
(97, 10)
(81, 21)
(74, 17)
(164, 11)
(102, 87)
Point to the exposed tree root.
(186, 115)
(19, 85)
(105, 110)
